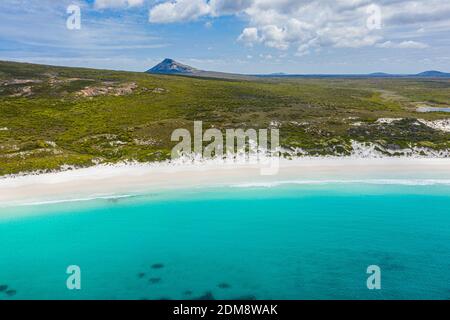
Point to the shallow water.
(279, 242)
(432, 109)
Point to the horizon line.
(274, 74)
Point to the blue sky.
(242, 36)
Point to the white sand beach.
(126, 179)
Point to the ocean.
(274, 241)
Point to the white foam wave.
(404, 182)
(47, 202)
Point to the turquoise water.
(285, 242)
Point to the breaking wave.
(403, 182)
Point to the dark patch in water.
(3, 287)
(164, 299)
(157, 266)
(141, 275)
(187, 293)
(392, 267)
(223, 285)
(207, 296)
(390, 262)
(154, 280)
(249, 297)
(11, 293)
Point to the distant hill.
(433, 73)
(170, 66)
(379, 74)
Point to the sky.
(238, 36)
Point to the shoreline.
(109, 181)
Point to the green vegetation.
(54, 116)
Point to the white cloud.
(403, 45)
(307, 25)
(224, 7)
(179, 11)
(266, 56)
(249, 36)
(414, 12)
(104, 4)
